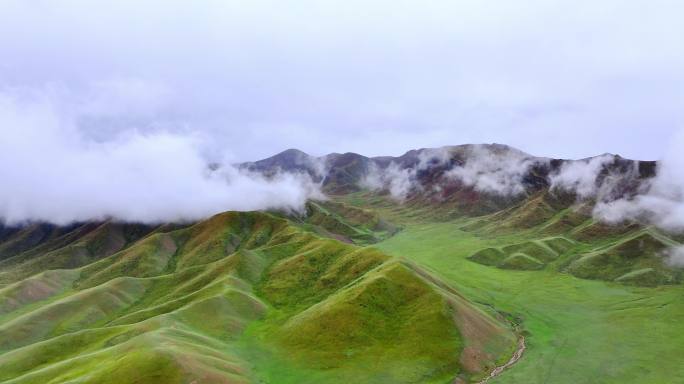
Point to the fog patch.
(317, 166)
(497, 170)
(433, 157)
(493, 169)
(661, 202)
(579, 176)
(675, 256)
(52, 172)
(396, 180)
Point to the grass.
(237, 298)
(256, 297)
(578, 331)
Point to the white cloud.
(555, 78)
(675, 256)
(53, 173)
(396, 180)
(499, 170)
(433, 157)
(400, 181)
(580, 176)
(491, 169)
(662, 203)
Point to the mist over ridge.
(57, 173)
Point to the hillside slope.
(582, 321)
(506, 191)
(226, 300)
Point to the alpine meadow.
(476, 192)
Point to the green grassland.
(578, 330)
(237, 298)
(358, 289)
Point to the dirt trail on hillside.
(514, 359)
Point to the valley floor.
(577, 331)
(253, 297)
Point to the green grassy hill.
(596, 303)
(240, 297)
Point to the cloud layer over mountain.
(136, 98)
(662, 202)
(52, 173)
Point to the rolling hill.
(506, 191)
(443, 265)
(109, 302)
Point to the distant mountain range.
(491, 175)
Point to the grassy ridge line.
(116, 292)
(173, 306)
(628, 253)
(139, 258)
(577, 330)
(42, 247)
(616, 333)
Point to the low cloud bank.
(398, 181)
(51, 172)
(580, 176)
(495, 170)
(662, 201)
(604, 179)
(499, 172)
(614, 184)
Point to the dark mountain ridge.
(440, 174)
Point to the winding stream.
(514, 359)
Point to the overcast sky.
(248, 79)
